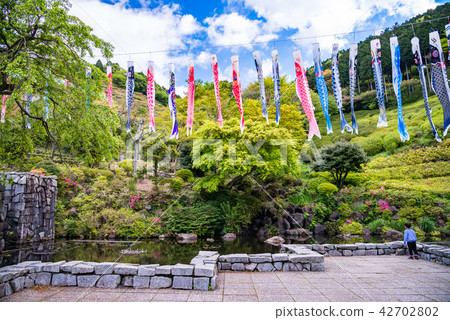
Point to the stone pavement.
(346, 279)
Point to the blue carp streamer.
(418, 62)
(321, 86)
(439, 81)
(353, 57)
(172, 102)
(262, 91)
(336, 83)
(28, 99)
(276, 84)
(129, 92)
(396, 83)
(375, 49)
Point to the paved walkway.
(369, 278)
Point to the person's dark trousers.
(412, 248)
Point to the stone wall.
(27, 208)
(430, 252)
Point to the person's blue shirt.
(410, 236)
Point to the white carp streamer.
(375, 49)
(151, 96)
(262, 91)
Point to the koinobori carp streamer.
(375, 49)
(321, 86)
(396, 83)
(304, 95)
(172, 102)
(353, 63)
(418, 62)
(151, 96)
(215, 69)
(4, 102)
(190, 99)
(109, 75)
(276, 84)
(262, 92)
(129, 92)
(439, 81)
(237, 88)
(336, 84)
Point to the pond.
(164, 252)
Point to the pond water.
(163, 252)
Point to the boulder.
(110, 281)
(392, 235)
(319, 229)
(366, 233)
(357, 216)
(334, 216)
(187, 238)
(229, 237)
(283, 225)
(275, 241)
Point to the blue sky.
(176, 31)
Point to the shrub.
(185, 174)
(344, 210)
(316, 182)
(49, 167)
(301, 198)
(107, 174)
(411, 212)
(176, 184)
(371, 145)
(427, 225)
(351, 228)
(127, 165)
(399, 224)
(327, 189)
(374, 225)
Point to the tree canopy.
(42, 57)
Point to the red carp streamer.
(190, 99)
(237, 88)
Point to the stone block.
(360, 252)
(64, 280)
(360, 246)
(280, 257)
(347, 252)
(29, 280)
(17, 284)
(347, 246)
(141, 282)
(388, 251)
(250, 267)
(110, 281)
(265, 267)
(371, 246)
(208, 270)
(382, 246)
(233, 258)
(380, 252)
(182, 283)
(260, 258)
(146, 271)
(164, 270)
(5, 289)
(67, 267)
(8, 275)
(238, 267)
(104, 268)
(317, 267)
(446, 261)
(126, 269)
(289, 266)
(28, 263)
(182, 270)
(127, 281)
(400, 252)
(201, 284)
(213, 282)
(160, 282)
(334, 253)
(225, 266)
(207, 254)
(53, 267)
(197, 261)
(306, 267)
(307, 258)
(329, 246)
(43, 279)
(372, 252)
(87, 281)
(278, 265)
(82, 268)
(395, 244)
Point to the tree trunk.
(135, 157)
(359, 88)
(428, 76)
(385, 90)
(155, 168)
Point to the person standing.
(410, 239)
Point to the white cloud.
(233, 28)
(141, 30)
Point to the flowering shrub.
(38, 172)
(383, 205)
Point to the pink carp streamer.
(215, 70)
(109, 74)
(190, 99)
(4, 100)
(151, 96)
(237, 88)
(304, 95)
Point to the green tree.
(42, 54)
(339, 159)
